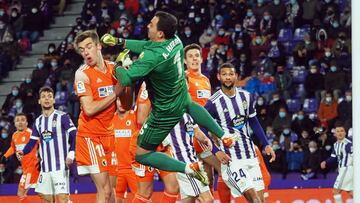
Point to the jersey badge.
(80, 86)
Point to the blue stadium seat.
(299, 74)
(285, 35)
(310, 105)
(294, 105)
(300, 33)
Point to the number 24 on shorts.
(238, 175)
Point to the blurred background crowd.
(294, 55)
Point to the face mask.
(40, 65)
(239, 45)
(237, 29)
(300, 117)
(197, 19)
(34, 10)
(18, 104)
(4, 135)
(333, 68)
(312, 149)
(28, 80)
(242, 59)
(122, 22)
(249, 14)
(276, 2)
(2, 123)
(282, 114)
(327, 54)
(51, 50)
(187, 33)
(218, 17)
(260, 1)
(15, 93)
(328, 99)
(258, 40)
(335, 24)
(313, 70)
(221, 33)
(293, 1)
(273, 43)
(2, 13)
(307, 42)
(121, 7)
(70, 39)
(275, 147)
(112, 32)
(140, 20)
(2, 26)
(13, 14)
(348, 98)
(53, 64)
(275, 99)
(286, 131)
(266, 18)
(260, 102)
(209, 31)
(328, 147)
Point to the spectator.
(139, 28)
(222, 37)
(287, 138)
(16, 21)
(305, 139)
(281, 121)
(239, 33)
(264, 119)
(283, 82)
(250, 22)
(6, 35)
(345, 18)
(253, 84)
(309, 8)
(325, 143)
(25, 86)
(39, 75)
(243, 64)
(334, 81)
(15, 109)
(31, 106)
(292, 13)
(295, 158)
(301, 123)
(258, 45)
(277, 10)
(259, 8)
(267, 85)
(276, 52)
(187, 37)
(280, 163)
(267, 25)
(10, 99)
(327, 112)
(52, 53)
(275, 104)
(311, 162)
(314, 83)
(33, 24)
(207, 37)
(344, 109)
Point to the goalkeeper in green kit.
(161, 62)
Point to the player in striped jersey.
(233, 109)
(181, 141)
(343, 154)
(56, 135)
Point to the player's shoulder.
(28, 130)
(241, 90)
(216, 96)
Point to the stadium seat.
(294, 105)
(310, 105)
(285, 35)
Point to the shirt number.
(177, 61)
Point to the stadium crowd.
(295, 56)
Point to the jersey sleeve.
(35, 135)
(140, 68)
(11, 150)
(252, 109)
(135, 46)
(143, 95)
(210, 107)
(82, 84)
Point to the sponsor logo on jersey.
(105, 91)
(80, 86)
(203, 94)
(123, 133)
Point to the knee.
(63, 198)
(21, 193)
(208, 199)
(172, 189)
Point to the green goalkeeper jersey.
(162, 63)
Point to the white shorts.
(190, 187)
(241, 175)
(344, 180)
(53, 183)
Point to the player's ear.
(160, 34)
(218, 76)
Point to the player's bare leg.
(337, 196)
(144, 192)
(63, 198)
(47, 198)
(102, 183)
(113, 180)
(251, 196)
(171, 188)
(21, 193)
(260, 194)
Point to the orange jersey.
(18, 142)
(99, 86)
(199, 87)
(264, 172)
(124, 129)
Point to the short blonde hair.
(81, 36)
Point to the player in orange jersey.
(265, 174)
(97, 90)
(125, 127)
(30, 162)
(200, 91)
(145, 174)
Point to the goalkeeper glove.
(109, 40)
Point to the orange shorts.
(113, 163)
(126, 179)
(93, 154)
(146, 173)
(29, 178)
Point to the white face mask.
(313, 70)
(348, 98)
(312, 149)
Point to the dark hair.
(81, 36)
(191, 46)
(20, 114)
(46, 89)
(167, 24)
(339, 124)
(226, 65)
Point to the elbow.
(89, 112)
